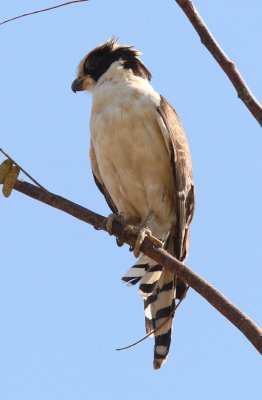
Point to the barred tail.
(159, 288)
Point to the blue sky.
(63, 309)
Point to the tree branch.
(208, 40)
(39, 11)
(248, 327)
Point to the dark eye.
(92, 63)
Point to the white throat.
(116, 73)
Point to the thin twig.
(26, 173)
(245, 324)
(39, 11)
(158, 328)
(228, 66)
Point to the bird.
(141, 163)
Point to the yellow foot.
(109, 224)
(142, 233)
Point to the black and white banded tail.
(159, 288)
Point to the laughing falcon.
(141, 163)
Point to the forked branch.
(200, 285)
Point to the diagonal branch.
(228, 66)
(248, 327)
(39, 11)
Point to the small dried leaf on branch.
(4, 169)
(10, 180)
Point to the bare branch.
(248, 327)
(228, 66)
(24, 171)
(39, 11)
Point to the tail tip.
(158, 363)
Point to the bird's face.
(99, 60)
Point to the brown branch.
(228, 66)
(39, 11)
(24, 171)
(248, 327)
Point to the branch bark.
(248, 327)
(228, 66)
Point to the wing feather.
(99, 181)
(181, 165)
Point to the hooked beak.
(77, 85)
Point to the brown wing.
(99, 181)
(180, 159)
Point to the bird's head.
(99, 60)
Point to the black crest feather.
(99, 60)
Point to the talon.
(158, 242)
(109, 225)
(109, 222)
(142, 233)
(120, 242)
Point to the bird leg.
(109, 224)
(142, 232)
